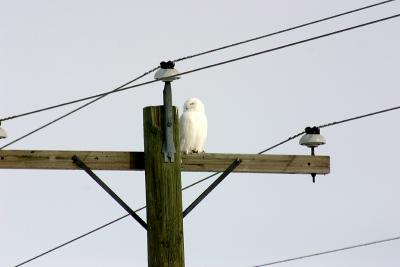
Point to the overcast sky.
(55, 51)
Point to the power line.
(200, 181)
(330, 251)
(208, 52)
(77, 238)
(261, 152)
(77, 100)
(284, 30)
(286, 46)
(359, 117)
(281, 143)
(301, 133)
(121, 88)
(332, 124)
(266, 51)
(99, 96)
(210, 176)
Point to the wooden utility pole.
(163, 193)
(163, 180)
(163, 164)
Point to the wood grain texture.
(62, 160)
(258, 163)
(163, 193)
(127, 161)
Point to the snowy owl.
(193, 127)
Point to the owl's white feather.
(193, 127)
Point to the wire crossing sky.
(201, 54)
(123, 87)
(331, 251)
(214, 174)
(54, 50)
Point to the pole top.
(167, 72)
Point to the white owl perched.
(193, 127)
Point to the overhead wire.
(284, 30)
(75, 239)
(121, 88)
(78, 100)
(330, 251)
(359, 117)
(212, 51)
(302, 132)
(283, 46)
(99, 96)
(212, 175)
(259, 153)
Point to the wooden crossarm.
(125, 161)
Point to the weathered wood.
(62, 160)
(111, 160)
(163, 193)
(257, 163)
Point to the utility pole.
(163, 163)
(157, 176)
(163, 177)
(163, 193)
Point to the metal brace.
(212, 186)
(84, 167)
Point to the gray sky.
(54, 51)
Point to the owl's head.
(193, 104)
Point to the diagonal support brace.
(212, 186)
(84, 167)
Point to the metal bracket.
(212, 186)
(313, 174)
(168, 146)
(84, 167)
